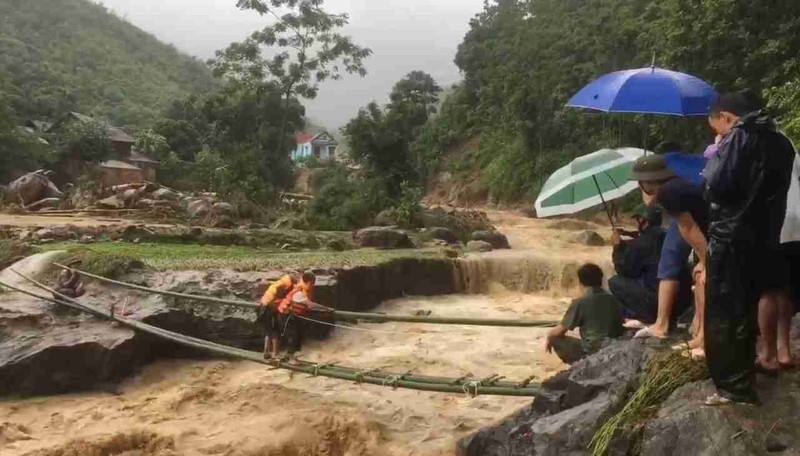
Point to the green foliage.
(19, 150)
(343, 202)
(111, 264)
(380, 139)
(86, 140)
(522, 60)
(12, 251)
(409, 205)
(152, 144)
(305, 48)
(73, 55)
(170, 257)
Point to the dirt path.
(194, 408)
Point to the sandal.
(716, 400)
(788, 366)
(646, 333)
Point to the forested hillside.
(60, 55)
(522, 60)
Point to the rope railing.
(374, 377)
(340, 315)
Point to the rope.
(232, 352)
(392, 381)
(351, 328)
(474, 385)
(339, 314)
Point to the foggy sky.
(404, 35)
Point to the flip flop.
(634, 324)
(715, 400)
(646, 333)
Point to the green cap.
(651, 168)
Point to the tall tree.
(305, 48)
(381, 138)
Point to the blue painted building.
(323, 146)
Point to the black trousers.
(640, 302)
(735, 280)
(292, 331)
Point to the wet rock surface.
(383, 237)
(573, 404)
(569, 410)
(46, 349)
(496, 239)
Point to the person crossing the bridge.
(282, 303)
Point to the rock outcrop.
(589, 238)
(46, 349)
(568, 411)
(383, 237)
(497, 239)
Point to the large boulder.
(479, 246)
(569, 409)
(444, 234)
(198, 208)
(497, 239)
(383, 237)
(32, 187)
(222, 208)
(386, 217)
(589, 238)
(163, 194)
(112, 202)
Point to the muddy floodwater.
(240, 408)
(229, 408)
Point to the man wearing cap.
(684, 202)
(636, 264)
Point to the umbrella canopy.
(647, 91)
(588, 181)
(687, 166)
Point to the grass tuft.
(164, 257)
(666, 371)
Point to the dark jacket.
(638, 258)
(747, 182)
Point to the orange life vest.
(288, 305)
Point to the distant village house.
(322, 146)
(133, 166)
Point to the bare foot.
(696, 343)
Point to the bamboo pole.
(340, 315)
(470, 387)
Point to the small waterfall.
(522, 271)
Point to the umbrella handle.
(605, 205)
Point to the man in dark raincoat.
(746, 186)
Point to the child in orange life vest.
(284, 299)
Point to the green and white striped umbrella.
(588, 181)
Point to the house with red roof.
(322, 146)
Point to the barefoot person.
(683, 201)
(281, 304)
(597, 314)
(747, 182)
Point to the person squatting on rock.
(683, 201)
(284, 301)
(636, 264)
(69, 284)
(597, 314)
(747, 182)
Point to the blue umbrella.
(647, 91)
(687, 166)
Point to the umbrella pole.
(605, 205)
